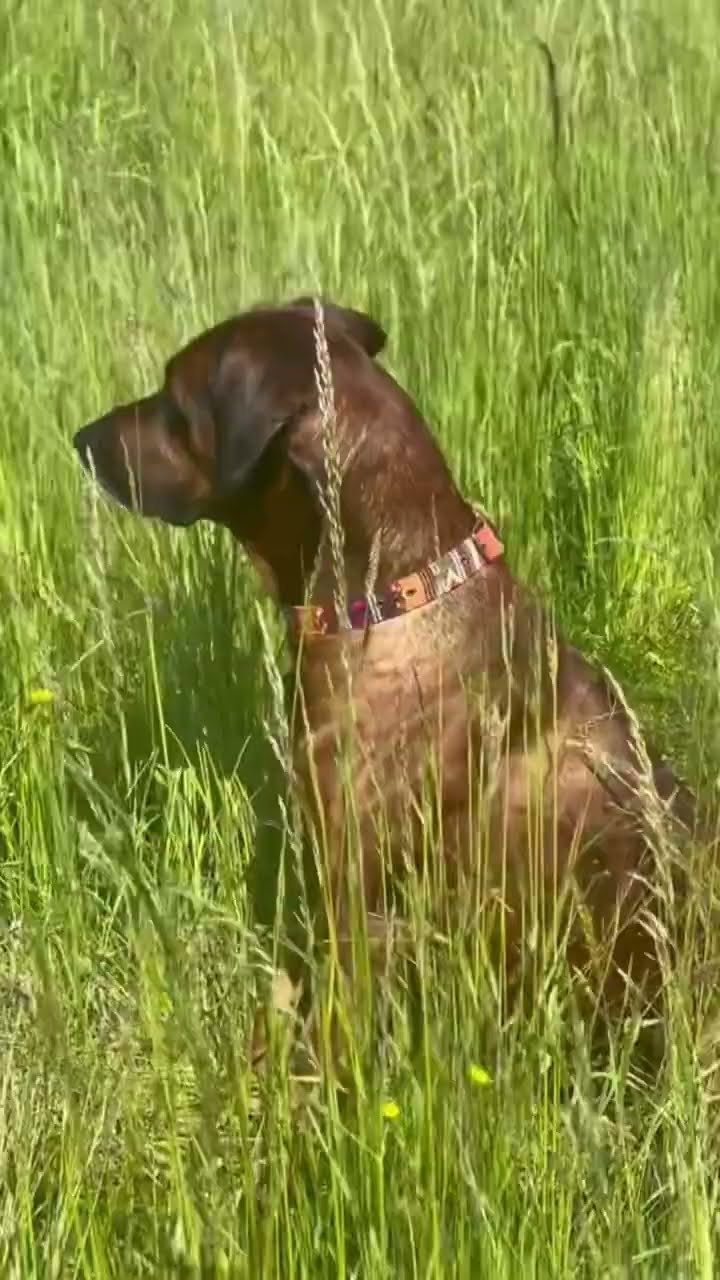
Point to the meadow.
(554, 307)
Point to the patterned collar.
(404, 594)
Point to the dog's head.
(183, 452)
(234, 435)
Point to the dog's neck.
(300, 565)
(392, 521)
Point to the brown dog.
(447, 665)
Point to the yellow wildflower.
(40, 697)
(479, 1075)
(390, 1110)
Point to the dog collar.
(437, 579)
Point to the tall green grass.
(162, 165)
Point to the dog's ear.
(355, 324)
(265, 379)
(253, 402)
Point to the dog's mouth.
(98, 454)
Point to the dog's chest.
(396, 707)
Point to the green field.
(163, 165)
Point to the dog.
(433, 651)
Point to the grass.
(163, 165)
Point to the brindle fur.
(235, 436)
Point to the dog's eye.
(176, 421)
